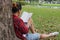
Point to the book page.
(25, 16)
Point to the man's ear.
(18, 13)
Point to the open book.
(25, 16)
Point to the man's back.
(19, 27)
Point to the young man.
(21, 30)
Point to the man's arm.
(31, 27)
(23, 28)
(20, 36)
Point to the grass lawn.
(45, 19)
(51, 5)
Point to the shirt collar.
(15, 16)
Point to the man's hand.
(31, 25)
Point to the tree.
(48, 0)
(6, 27)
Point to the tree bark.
(6, 24)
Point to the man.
(21, 30)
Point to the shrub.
(24, 3)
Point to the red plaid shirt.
(19, 27)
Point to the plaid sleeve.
(20, 28)
(23, 29)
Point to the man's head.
(16, 8)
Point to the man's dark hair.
(19, 5)
(16, 7)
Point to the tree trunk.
(6, 27)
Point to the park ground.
(45, 19)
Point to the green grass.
(51, 5)
(45, 19)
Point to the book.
(26, 16)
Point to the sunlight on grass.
(45, 19)
(51, 5)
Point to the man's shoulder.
(17, 19)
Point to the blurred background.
(46, 15)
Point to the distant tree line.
(40, 1)
(52, 0)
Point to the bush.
(24, 3)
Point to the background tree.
(48, 0)
(6, 27)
